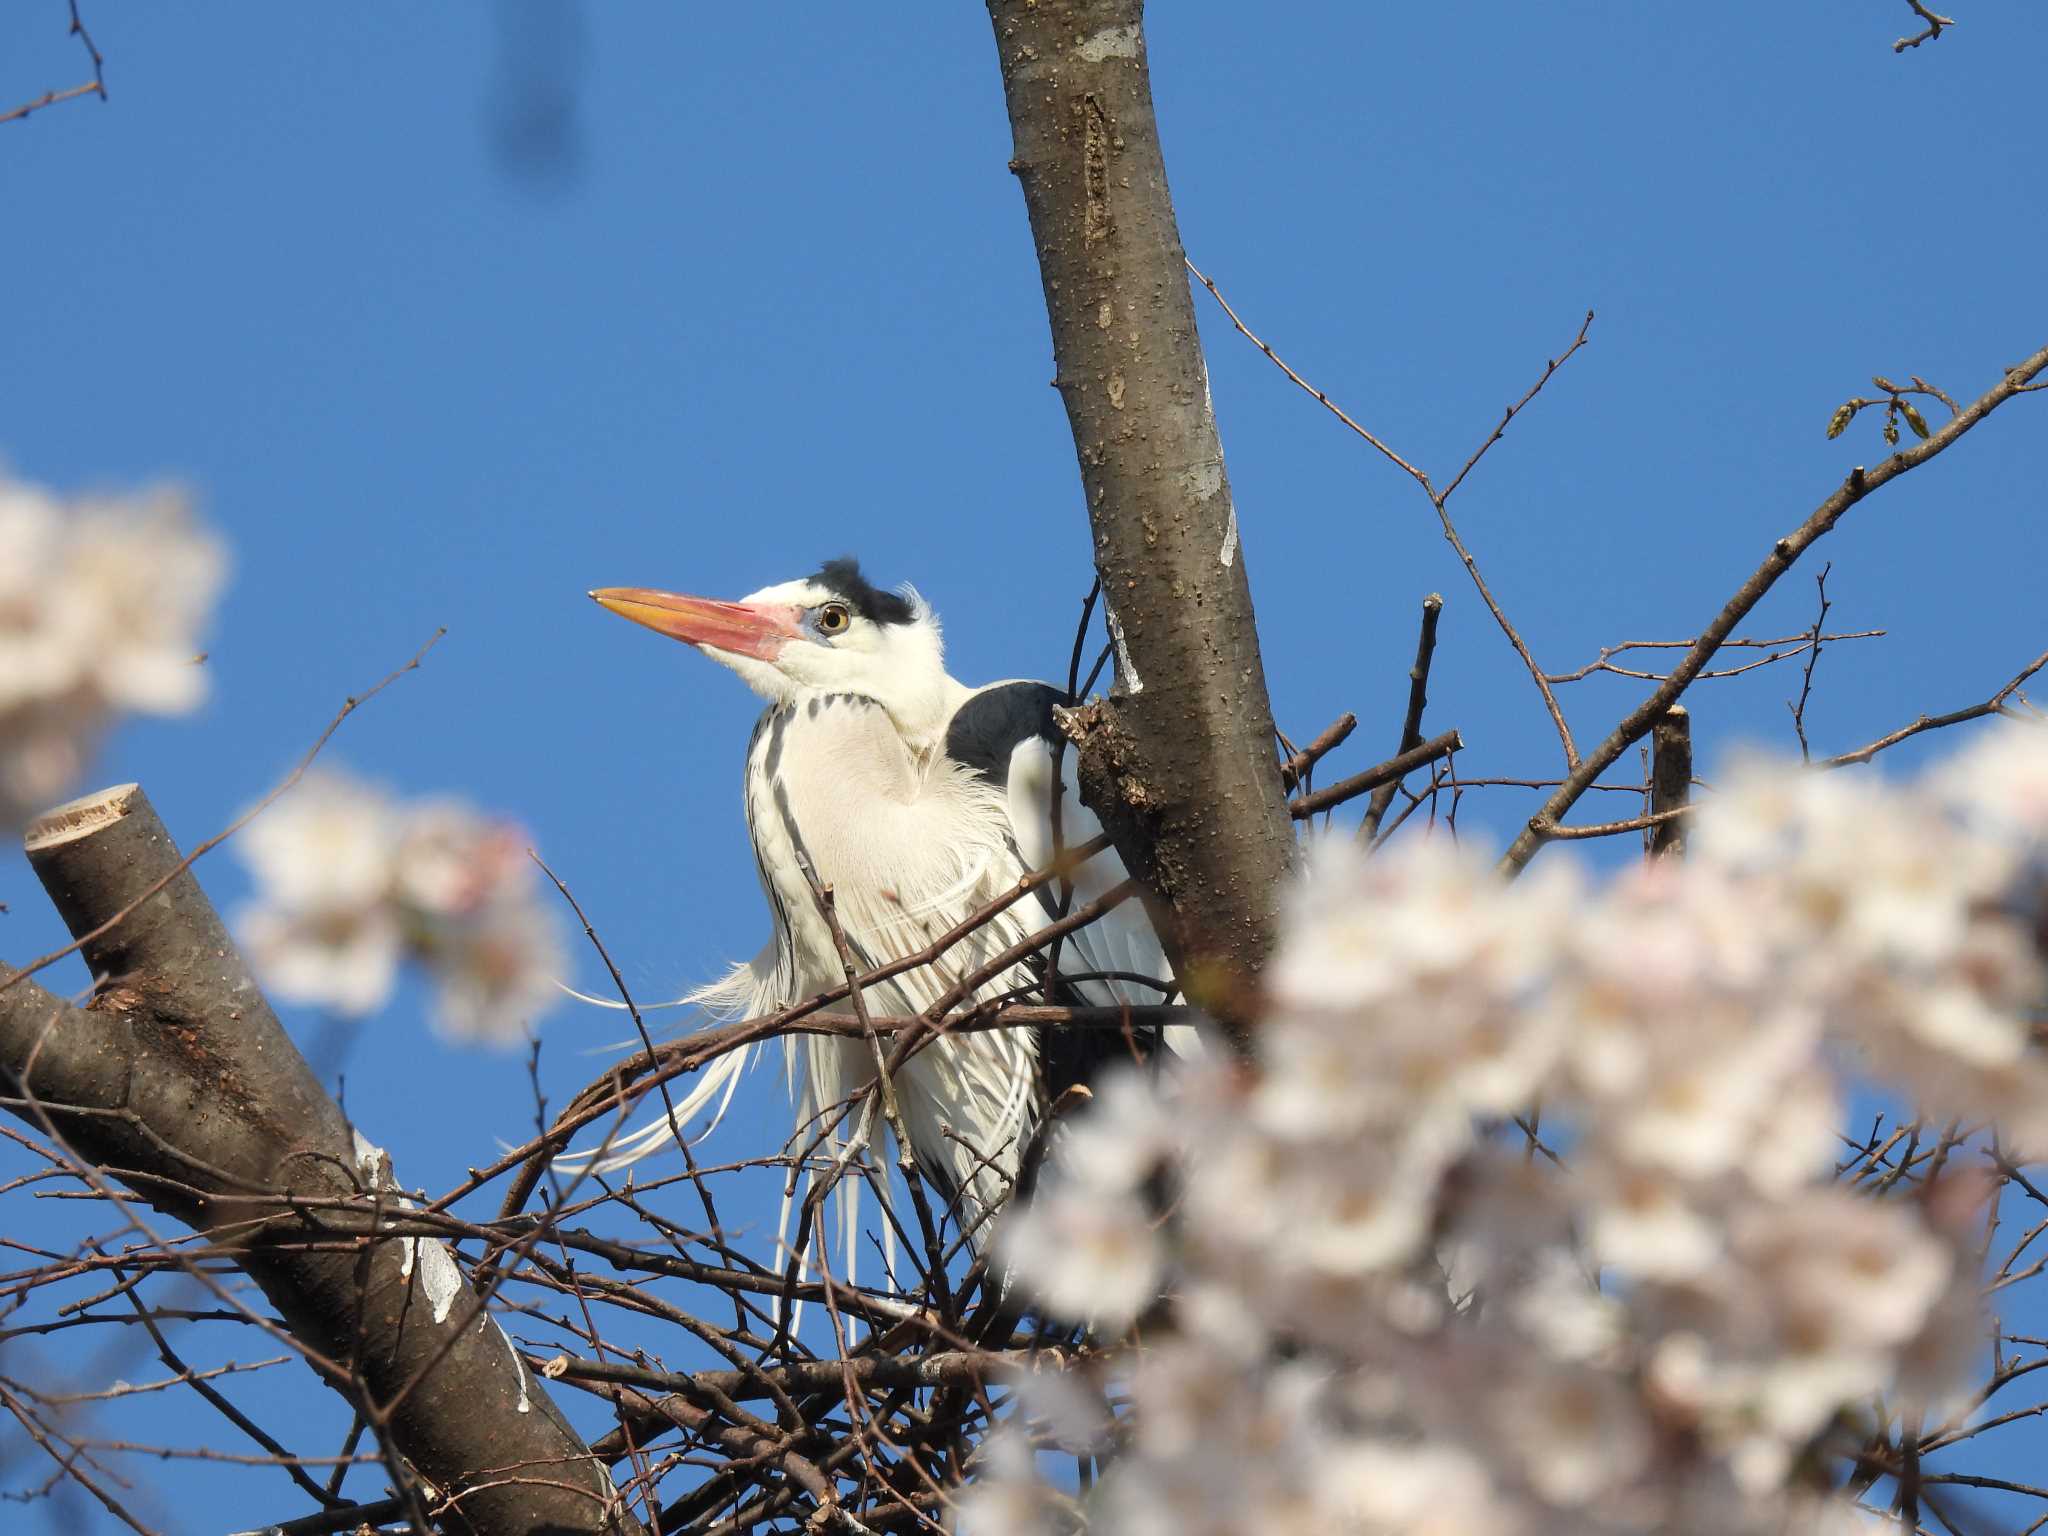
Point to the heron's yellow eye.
(832, 620)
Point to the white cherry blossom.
(1380, 1316)
(349, 881)
(1088, 1255)
(329, 844)
(104, 604)
(494, 971)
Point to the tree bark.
(1178, 762)
(178, 1081)
(1670, 780)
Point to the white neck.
(913, 686)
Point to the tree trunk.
(178, 1081)
(1178, 762)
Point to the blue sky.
(772, 299)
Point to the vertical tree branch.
(1178, 762)
(1411, 722)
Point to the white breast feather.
(910, 848)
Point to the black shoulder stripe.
(987, 728)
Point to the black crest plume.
(843, 578)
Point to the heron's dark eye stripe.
(842, 577)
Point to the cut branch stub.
(178, 1081)
(197, 1045)
(1178, 762)
(1670, 780)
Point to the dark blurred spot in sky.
(533, 112)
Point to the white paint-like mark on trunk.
(1110, 43)
(524, 1405)
(440, 1279)
(1227, 555)
(1132, 682)
(370, 1158)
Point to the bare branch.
(1997, 704)
(1859, 484)
(1935, 27)
(1655, 820)
(96, 86)
(47, 99)
(1390, 772)
(1439, 500)
(1334, 735)
(180, 1078)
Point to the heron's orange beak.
(759, 630)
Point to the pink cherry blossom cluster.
(103, 603)
(1353, 1297)
(350, 882)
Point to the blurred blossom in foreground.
(1377, 1318)
(350, 882)
(103, 603)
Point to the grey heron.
(918, 800)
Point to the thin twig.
(892, 1110)
(1795, 644)
(1616, 828)
(291, 1464)
(1935, 27)
(349, 707)
(1057, 804)
(1321, 398)
(47, 99)
(1508, 415)
(1995, 705)
(682, 1142)
(1813, 648)
(686, 1055)
(1859, 483)
(96, 86)
(99, 62)
(1440, 500)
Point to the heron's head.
(834, 632)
